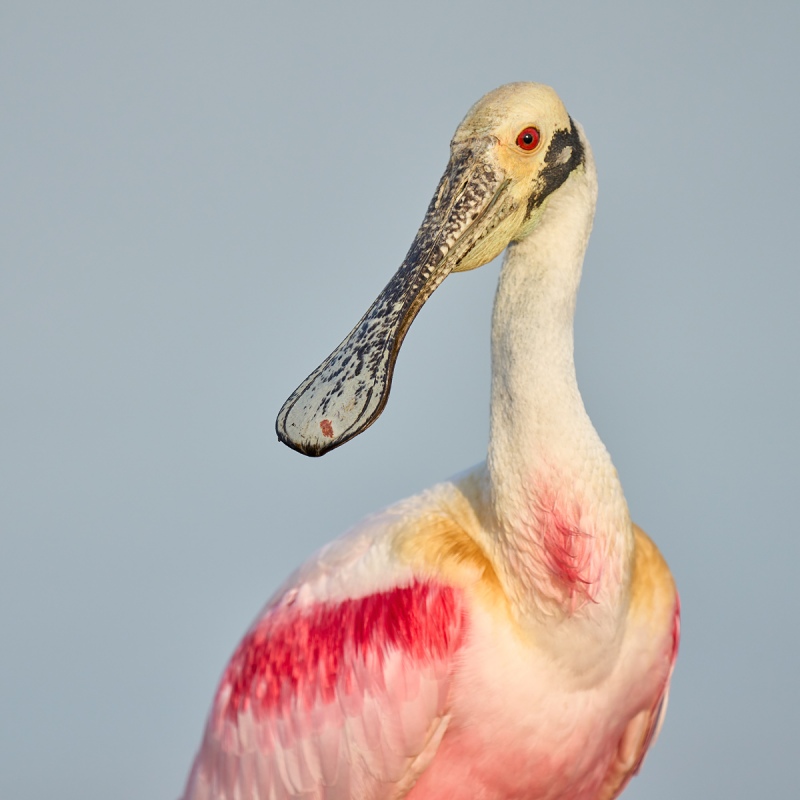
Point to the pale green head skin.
(492, 193)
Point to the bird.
(507, 633)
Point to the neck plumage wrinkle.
(559, 511)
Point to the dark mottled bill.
(349, 390)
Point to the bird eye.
(528, 138)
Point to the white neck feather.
(561, 519)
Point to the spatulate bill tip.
(296, 437)
(313, 431)
(304, 447)
(314, 446)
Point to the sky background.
(199, 200)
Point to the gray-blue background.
(198, 201)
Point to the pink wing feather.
(332, 698)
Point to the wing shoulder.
(341, 684)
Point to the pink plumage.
(308, 655)
(507, 634)
(323, 697)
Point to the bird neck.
(561, 519)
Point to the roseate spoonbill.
(506, 634)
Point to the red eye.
(528, 138)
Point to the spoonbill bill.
(509, 633)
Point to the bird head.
(515, 148)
